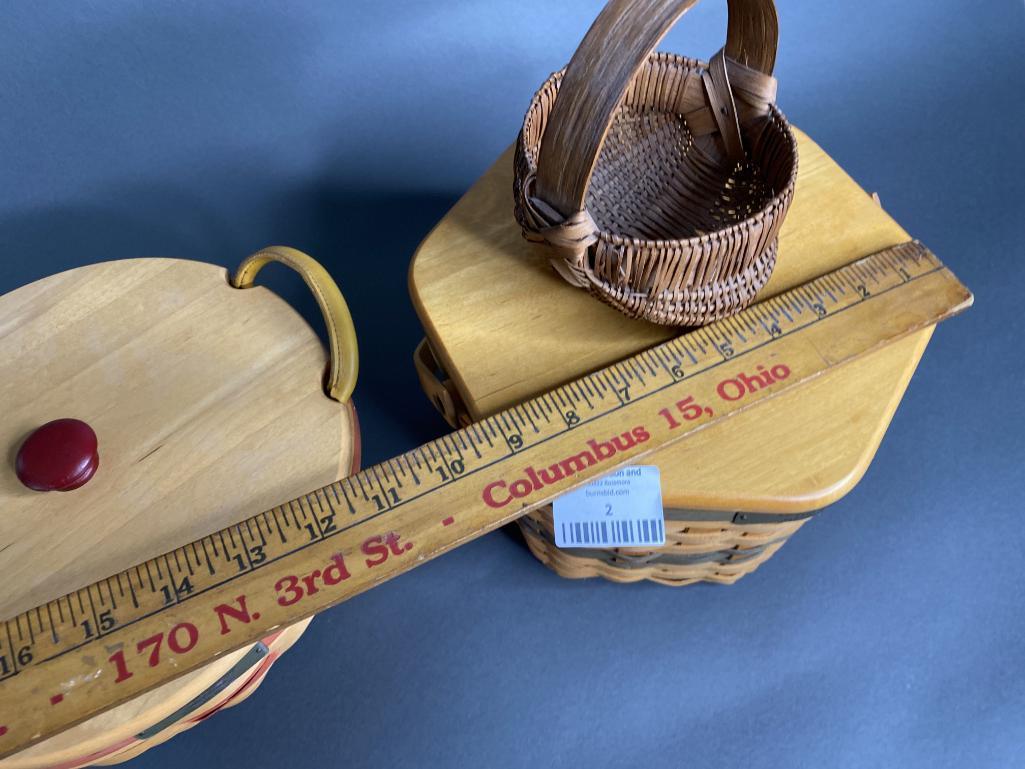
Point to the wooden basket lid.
(209, 404)
(798, 452)
(201, 396)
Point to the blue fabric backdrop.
(889, 632)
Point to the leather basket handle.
(598, 76)
(341, 333)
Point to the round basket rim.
(770, 208)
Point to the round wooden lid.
(207, 403)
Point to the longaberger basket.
(701, 545)
(659, 183)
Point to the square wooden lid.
(505, 327)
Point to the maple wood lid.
(209, 401)
(199, 394)
(499, 353)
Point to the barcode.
(647, 531)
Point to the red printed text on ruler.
(183, 637)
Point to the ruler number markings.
(442, 463)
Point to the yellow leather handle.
(340, 331)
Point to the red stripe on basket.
(250, 683)
(448, 521)
(253, 680)
(268, 640)
(357, 442)
(75, 763)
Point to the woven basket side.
(682, 236)
(695, 551)
(705, 302)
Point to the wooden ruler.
(79, 655)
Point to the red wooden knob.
(59, 456)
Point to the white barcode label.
(623, 509)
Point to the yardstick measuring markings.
(79, 655)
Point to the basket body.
(683, 234)
(701, 545)
(489, 349)
(492, 348)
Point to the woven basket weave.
(701, 546)
(659, 183)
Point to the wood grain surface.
(208, 403)
(506, 327)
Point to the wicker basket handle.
(598, 77)
(341, 379)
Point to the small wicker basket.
(658, 182)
